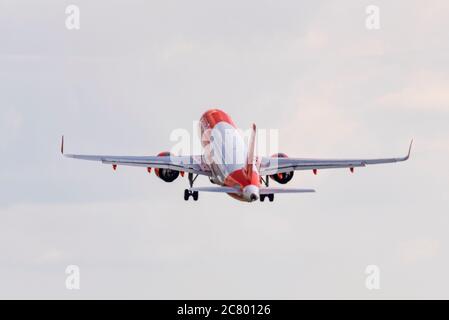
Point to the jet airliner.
(246, 180)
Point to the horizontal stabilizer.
(216, 189)
(281, 190)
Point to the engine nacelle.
(167, 175)
(212, 180)
(285, 177)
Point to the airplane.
(246, 180)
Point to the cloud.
(315, 39)
(11, 123)
(318, 117)
(426, 91)
(419, 250)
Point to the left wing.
(191, 164)
(271, 165)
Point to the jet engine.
(167, 175)
(285, 177)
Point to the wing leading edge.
(270, 165)
(191, 164)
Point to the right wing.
(272, 165)
(191, 164)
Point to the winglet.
(409, 150)
(62, 145)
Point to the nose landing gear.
(187, 192)
(269, 196)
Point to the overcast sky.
(136, 70)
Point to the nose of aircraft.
(251, 193)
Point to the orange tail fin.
(250, 161)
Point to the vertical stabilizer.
(250, 161)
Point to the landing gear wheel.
(262, 197)
(271, 197)
(186, 194)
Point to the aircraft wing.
(272, 165)
(191, 164)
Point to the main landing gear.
(188, 193)
(270, 196)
